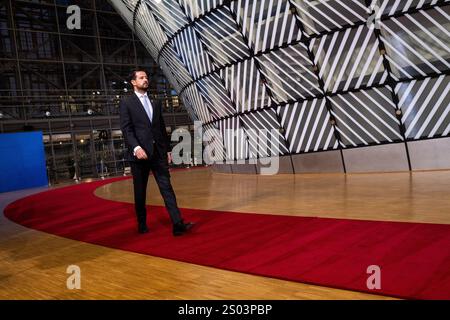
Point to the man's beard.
(143, 87)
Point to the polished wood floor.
(409, 197)
(33, 264)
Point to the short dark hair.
(133, 73)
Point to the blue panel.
(22, 161)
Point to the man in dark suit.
(144, 132)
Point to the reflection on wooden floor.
(409, 197)
(33, 264)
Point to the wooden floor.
(409, 197)
(33, 264)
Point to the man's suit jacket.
(137, 129)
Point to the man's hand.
(169, 157)
(140, 154)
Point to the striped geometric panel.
(169, 15)
(243, 81)
(216, 96)
(366, 117)
(169, 75)
(426, 107)
(266, 23)
(349, 59)
(148, 24)
(264, 123)
(318, 16)
(235, 141)
(191, 52)
(308, 126)
(418, 44)
(195, 8)
(190, 111)
(130, 4)
(125, 8)
(289, 73)
(213, 137)
(173, 61)
(189, 108)
(290, 65)
(195, 101)
(219, 33)
(391, 7)
(147, 42)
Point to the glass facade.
(68, 82)
(321, 75)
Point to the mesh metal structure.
(67, 83)
(321, 75)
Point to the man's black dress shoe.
(181, 228)
(142, 229)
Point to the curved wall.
(338, 86)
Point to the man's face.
(141, 81)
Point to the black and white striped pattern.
(169, 15)
(349, 59)
(264, 124)
(196, 8)
(130, 4)
(173, 61)
(189, 109)
(266, 23)
(195, 101)
(220, 34)
(318, 16)
(391, 7)
(216, 96)
(418, 44)
(125, 8)
(235, 140)
(308, 126)
(191, 52)
(426, 107)
(148, 25)
(246, 65)
(366, 117)
(214, 139)
(147, 42)
(244, 83)
(170, 77)
(289, 73)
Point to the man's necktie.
(147, 107)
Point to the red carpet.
(414, 257)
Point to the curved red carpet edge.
(414, 257)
